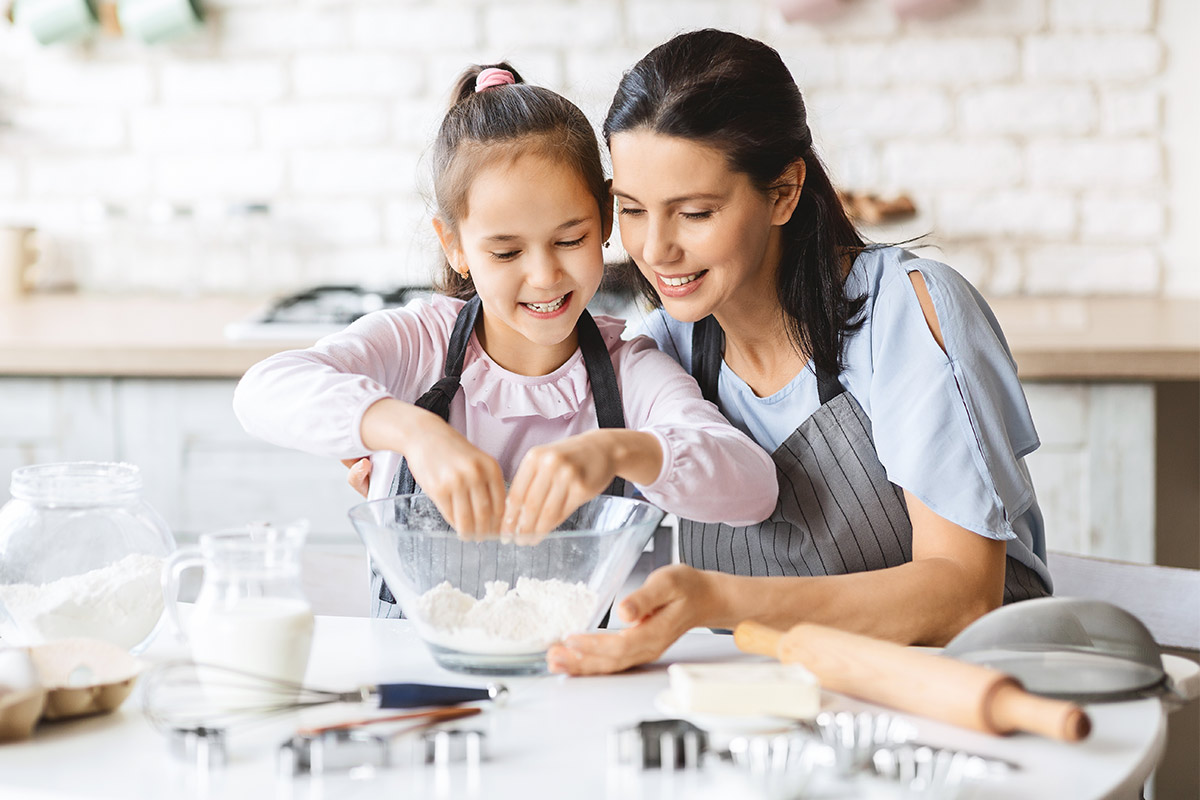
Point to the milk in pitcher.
(251, 614)
(268, 636)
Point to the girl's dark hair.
(736, 95)
(502, 123)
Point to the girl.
(880, 381)
(551, 398)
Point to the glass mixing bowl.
(81, 555)
(484, 606)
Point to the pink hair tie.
(493, 77)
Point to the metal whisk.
(184, 695)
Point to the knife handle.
(418, 695)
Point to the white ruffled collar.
(507, 395)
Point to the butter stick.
(779, 690)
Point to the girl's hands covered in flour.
(555, 479)
(464, 482)
(552, 481)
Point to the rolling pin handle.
(1014, 709)
(754, 637)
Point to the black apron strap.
(441, 394)
(438, 400)
(828, 386)
(708, 349)
(603, 378)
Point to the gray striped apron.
(837, 511)
(476, 563)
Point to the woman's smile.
(679, 285)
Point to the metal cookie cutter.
(792, 752)
(444, 747)
(666, 744)
(333, 751)
(354, 748)
(204, 747)
(921, 766)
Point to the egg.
(17, 672)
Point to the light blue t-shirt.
(951, 427)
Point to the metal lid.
(1065, 647)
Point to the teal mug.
(56, 21)
(157, 21)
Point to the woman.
(879, 381)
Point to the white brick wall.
(1128, 15)
(1034, 135)
(1122, 163)
(10, 177)
(1027, 111)
(1116, 58)
(1121, 218)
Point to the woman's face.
(531, 239)
(702, 234)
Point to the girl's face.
(702, 234)
(531, 239)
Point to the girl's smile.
(550, 309)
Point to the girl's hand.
(359, 476)
(465, 483)
(673, 600)
(552, 481)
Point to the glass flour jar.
(81, 555)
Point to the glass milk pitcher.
(251, 613)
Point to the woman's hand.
(673, 600)
(552, 481)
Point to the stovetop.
(321, 310)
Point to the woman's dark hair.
(737, 96)
(502, 123)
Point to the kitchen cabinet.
(201, 471)
(1094, 472)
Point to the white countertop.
(550, 741)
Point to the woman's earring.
(606, 244)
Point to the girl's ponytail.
(467, 84)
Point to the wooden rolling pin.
(909, 680)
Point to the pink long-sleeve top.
(314, 400)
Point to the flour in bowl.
(526, 619)
(120, 603)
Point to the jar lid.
(77, 483)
